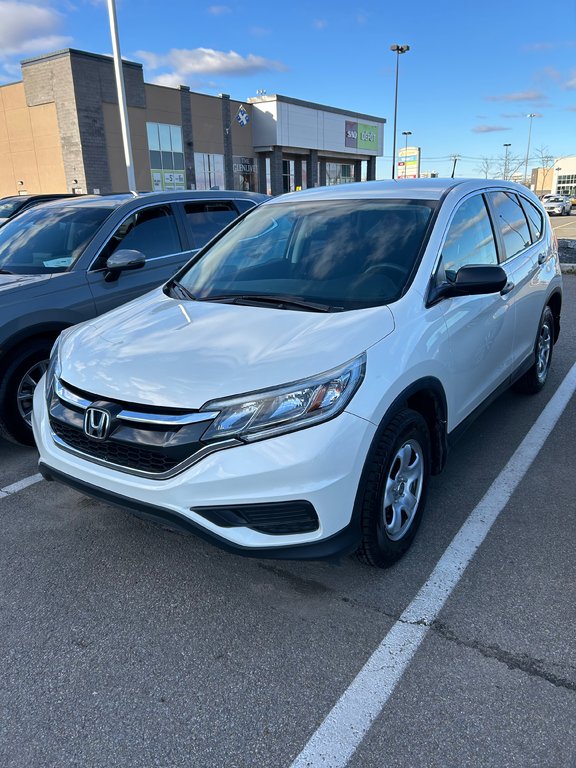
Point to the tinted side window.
(244, 205)
(534, 217)
(151, 231)
(511, 221)
(470, 239)
(207, 219)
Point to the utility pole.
(455, 158)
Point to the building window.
(566, 185)
(166, 152)
(339, 173)
(244, 173)
(209, 171)
(288, 176)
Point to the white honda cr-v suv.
(291, 390)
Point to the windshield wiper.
(281, 302)
(180, 291)
(5, 272)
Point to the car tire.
(394, 491)
(535, 378)
(18, 382)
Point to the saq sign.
(361, 135)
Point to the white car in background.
(290, 391)
(558, 205)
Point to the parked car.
(290, 391)
(558, 204)
(66, 261)
(14, 204)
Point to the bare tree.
(507, 167)
(485, 167)
(545, 161)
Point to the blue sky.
(473, 73)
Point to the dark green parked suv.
(66, 261)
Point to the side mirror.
(471, 281)
(122, 260)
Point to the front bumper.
(320, 466)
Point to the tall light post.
(398, 49)
(406, 134)
(530, 116)
(124, 124)
(506, 160)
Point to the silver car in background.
(557, 205)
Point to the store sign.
(244, 164)
(408, 165)
(361, 135)
(167, 180)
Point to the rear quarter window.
(206, 219)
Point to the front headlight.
(54, 368)
(272, 412)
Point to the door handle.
(507, 288)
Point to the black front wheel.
(535, 378)
(19, 380)
(394, 493)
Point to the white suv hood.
(180, 354)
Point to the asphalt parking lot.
(124, 644)
(565, 226)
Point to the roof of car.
(113, 201)
(412, 189)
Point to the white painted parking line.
(337, 738)
(20, 485)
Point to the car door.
(522, 259)
(153, 231)
(480, 329)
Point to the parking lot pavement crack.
(520, 661)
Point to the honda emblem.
(97, 423)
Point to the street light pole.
(530, 116)
(124, 125)
(406, 134)
(506, 161)
(398, 49)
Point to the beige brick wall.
(30, 147)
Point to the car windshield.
(337, 254)
(555, 200)
(47, 239)
(9, 206)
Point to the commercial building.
(559, 178)
(60, 132)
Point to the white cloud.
(219, 10)
(519, 96)
(320, 23)
(259, 31)
(26, 28)
(489, 128)
(570, 85)
(171, 79)
(186, 64)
